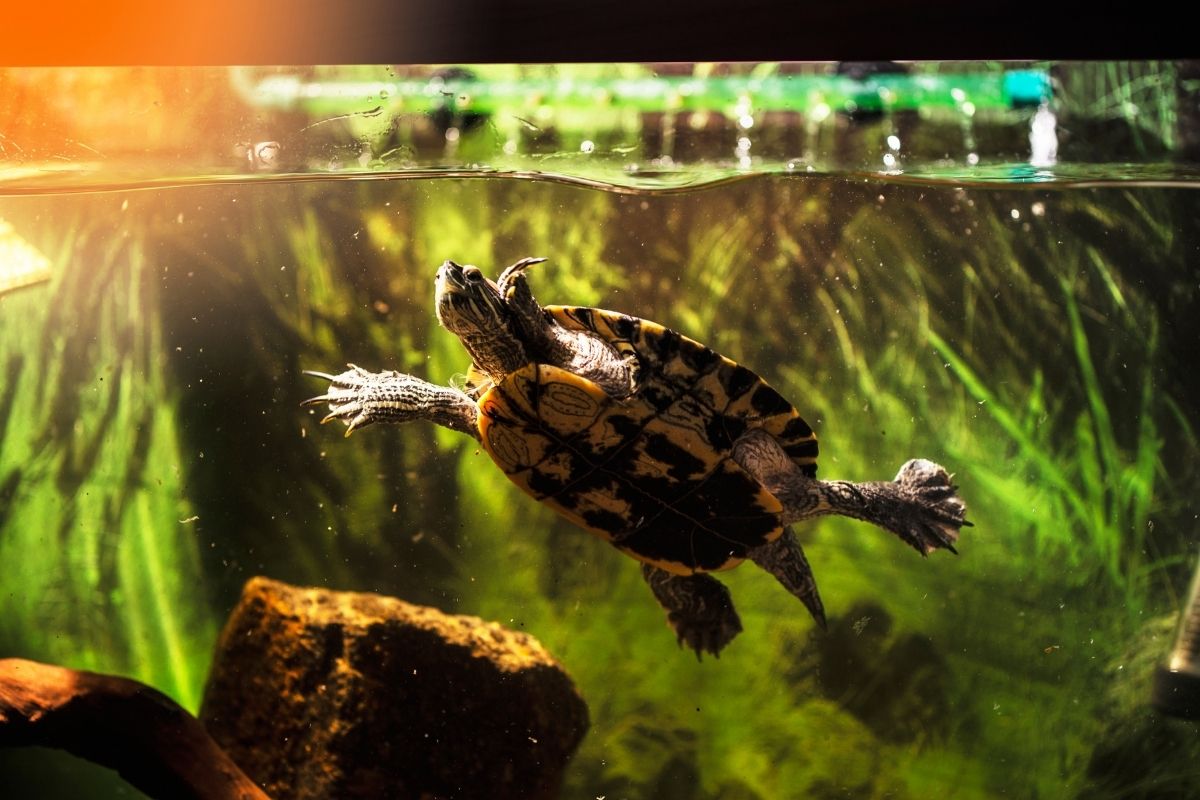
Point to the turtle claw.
(360, 421)
(511, 272)
(342, 412)
(344, 397)
(704, 635)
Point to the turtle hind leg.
(921, 505)
(698, 607)
(785, 559)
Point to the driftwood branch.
(145, 736)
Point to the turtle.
(673, 453)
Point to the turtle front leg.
(921, 505)
(360, 398)
(698, 607)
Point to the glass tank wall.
(992, 266)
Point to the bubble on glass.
(452, 134)
(746, 121)
(1015, 213)
(889, 160)
(1038, 209)
(260, 156)
(267, 152)
(742, 152)
(893, 141)
(698, 120)
(973, 158)
(1043, 138)
(587, 146)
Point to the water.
(1035, 339)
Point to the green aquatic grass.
(1100, 492)
(1140, 94)
(109, 573)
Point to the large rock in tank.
(321, 694)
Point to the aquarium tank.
(990, 265)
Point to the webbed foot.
(938, 512)
(699, 609)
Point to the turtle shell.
(651, 473)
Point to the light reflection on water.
(627, 178)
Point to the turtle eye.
(472, 274)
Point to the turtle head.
(467, 302)
(471, 307)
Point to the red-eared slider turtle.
(673, 453)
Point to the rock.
(324, 694)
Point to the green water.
(1036, 340)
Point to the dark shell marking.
(655, 345)
(652, 472)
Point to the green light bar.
(736, 94)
